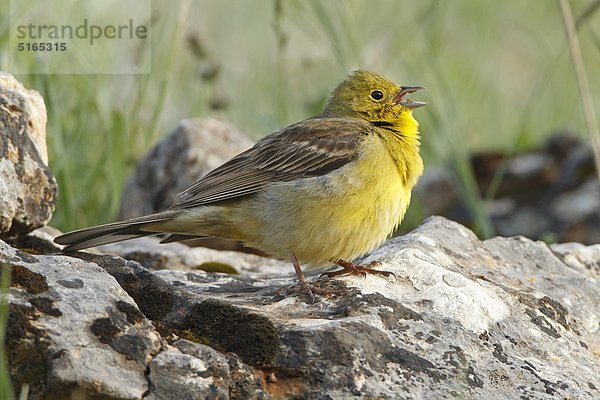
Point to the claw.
(349, 268)
(309, 289)
(303, 285)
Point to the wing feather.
(309, 148)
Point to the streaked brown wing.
(309, 148)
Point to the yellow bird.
(320, 192)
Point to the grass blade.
(582, 81)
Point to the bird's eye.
(376, 95)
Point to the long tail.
(115, 232)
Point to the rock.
(196, 147)
(25, 107)
(174, 372)
(520, 220)
(435, 191)
(524, 175)
(176, 256)
(504, 318)
(577, 212)
(578, 256)
(196, 371)
(27, 188)
(73, 331)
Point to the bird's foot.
(349, 268)
(304, 287)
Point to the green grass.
(6, 391)
(498, 77)
(581, 74)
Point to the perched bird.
(320, 192)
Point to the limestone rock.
(504, 318)
(73, 331)
(196, 371)
(27, 187)
(177, 256)
(577, 256)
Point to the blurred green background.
(498, 76)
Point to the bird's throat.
(404, 125)
(402, 140)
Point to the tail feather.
(114, 232)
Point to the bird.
(321, 192)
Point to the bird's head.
(372, 97)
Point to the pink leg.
(349, 268)
(304, 286)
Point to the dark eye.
(376, 95)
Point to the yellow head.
(372, 97)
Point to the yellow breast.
(343, 214)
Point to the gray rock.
(73, 331)
(578, 212)
(27, 188)
(117, 352)
(524, 220)
(196, 371)
(196, 147)
(579, 204)
(175, 372)
(586, 259)
(501, 319)
(504, 318)
(529, 165)
(177, 256)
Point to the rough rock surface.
(72, 329)
(197, 371)
(27, 187)
(505, 318)
(177, 256)
(196, 147)
(73, 332)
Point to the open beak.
(404, 90)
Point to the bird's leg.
(304, 286)
(298, 269)
(349, 268)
